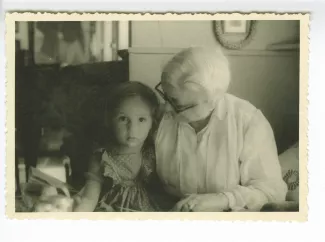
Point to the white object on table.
(54, 168)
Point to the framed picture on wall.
(234, 34)
(235, 26)
(62, 42)
(75, 42)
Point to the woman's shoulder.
(246, 112)
(240, 104)
(241, 107)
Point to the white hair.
(206, 67)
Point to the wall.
(268, 79)
(187, 33)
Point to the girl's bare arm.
(92, 189)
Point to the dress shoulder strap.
(148, 162)
(109, 167)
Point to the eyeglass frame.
(165, 97)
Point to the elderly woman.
(215, 152)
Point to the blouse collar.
(221, 109)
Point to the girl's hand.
(76, 201)
(203, 203)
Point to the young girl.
(120, 171)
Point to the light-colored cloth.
(289, 161)
(235, 154)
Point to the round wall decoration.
(234, 34)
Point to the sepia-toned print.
(157, 116)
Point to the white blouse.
(234, 154)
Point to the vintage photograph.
(169, 115)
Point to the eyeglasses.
(177, 108)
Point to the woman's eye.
(142, 119)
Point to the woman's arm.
(92, 188)
(261, 177)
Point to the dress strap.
(110, 169)
(148, 163)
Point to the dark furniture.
(72, 97)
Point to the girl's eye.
(142, 120)
(122, 119)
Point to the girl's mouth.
(132, 139)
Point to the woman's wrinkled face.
(132, 122)
(192, 104)
(180, 97)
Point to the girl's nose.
(131, 128)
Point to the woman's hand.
(203, 203)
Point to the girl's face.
(132, 122)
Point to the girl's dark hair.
(126, 90)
